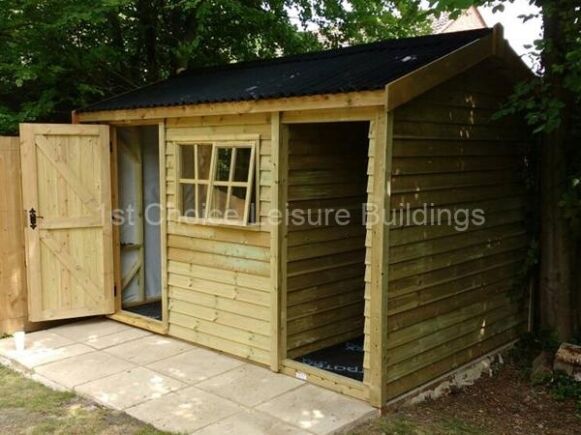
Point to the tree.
(57, 55)
(550, 103)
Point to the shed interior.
(326, 245)
(138, 208)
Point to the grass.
(399, 425)
(27, 407)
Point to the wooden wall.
(325, 300)
(219, 278)
(13, 301)
(452, 294)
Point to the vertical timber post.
(379, 258)
(278, 240)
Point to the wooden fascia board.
(417, 82)
(312, 102)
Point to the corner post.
(278, 241)
(498, 42)
(380, 256)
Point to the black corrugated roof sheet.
(357, 68)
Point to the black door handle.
(32, 217)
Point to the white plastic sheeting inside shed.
(138, 200)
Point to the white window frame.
(251, 183)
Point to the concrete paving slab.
(116, 338)
(184, 411)
(149, 349)
(89, 331)
(129, 388)
(318, 410)
(177, 386)
(249, 385)
(84, 368)
(36, 341)
(251, 422)
(195, 365)
(30, 358)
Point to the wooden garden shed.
(367, 306)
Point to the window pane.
(218, 206)
(188, 200)
(204, 157)
(242, 164)
(237, 202)
(187, 159)
(253, 209)
(202, 200)
(223, 164)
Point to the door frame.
(342, 384)
(137, 320)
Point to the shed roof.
(357, 68)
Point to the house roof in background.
(469, 19)
(349, 69)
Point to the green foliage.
(530, 345)
(561, 386)
(58, 55)
(535, 102)
(544, 340)
(571, 204)
(360, 21)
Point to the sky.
(516, 32)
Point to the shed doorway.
(325, 284)
(138, 217)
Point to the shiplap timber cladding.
(451, 295)
(368, 250)
(326, 260)
(219, 283)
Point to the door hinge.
(111, 146)
(115, 290)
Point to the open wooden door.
(67, 200)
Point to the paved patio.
(176, 386)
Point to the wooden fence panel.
(13, 301)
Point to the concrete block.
(317, 410)
(129, 388)
(184, 411)
(249, 385)
(195, 365)
(251, 422)
(82, 369)
(149, 349)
